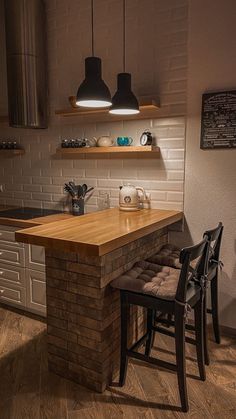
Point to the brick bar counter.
(83, 255)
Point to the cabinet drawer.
(13, 295)
(7, 236)
(12, 274)
(35, 257)
(12, 255)
(36, 291)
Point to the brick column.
(83, 311)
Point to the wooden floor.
(28, 391)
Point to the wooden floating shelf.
(148, 109)
(126, 151)
(10, 153)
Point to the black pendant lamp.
(124, 102)
(93, 92)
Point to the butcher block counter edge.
(98, 233)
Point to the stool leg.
(169, 318)
(205, 337)
(180, 355)
(198, 316)
(214, 305)
(123, 344)
(149, 341)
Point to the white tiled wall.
(156, 57)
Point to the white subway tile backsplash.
(109, 183)
(31, 171)
(168, 205)
(61, 163)
(175, 196)
(174, 164)
(22, 195)
(41, 180)
(113, 163)
(32, 188)
(171, 143)
(52, 189)
(158, 196)
(37, 178)
(21, 180)
(84, 164)
(73, 172)
(176, 154)
(97, 173)
(175, 175)
(149, 174)
(12, 187)
(40, 196)
(51, 172)
(131, 173)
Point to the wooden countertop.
(15, 222)
(100, 232)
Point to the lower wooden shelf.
(125, 151)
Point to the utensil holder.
(77, 206)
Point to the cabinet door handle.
(1, 253)
(1, 272)
(1, 291)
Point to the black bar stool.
(215, 237)
(170, 291)
(169, 256)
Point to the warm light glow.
(124, 111)
(93, 103)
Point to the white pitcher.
(129, 199)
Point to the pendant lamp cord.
(124, 35)
(92, 25)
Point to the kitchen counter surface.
(97, 233)
(17, 222)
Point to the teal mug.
(124, 141)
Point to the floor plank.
(29, 391)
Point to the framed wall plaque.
(218, 121)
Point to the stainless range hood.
(26, 63)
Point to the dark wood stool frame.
(214, 237)
(193, 296)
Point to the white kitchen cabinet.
(13, 295)
(22, 273)
(36, 291)
(12, 275)
(12, 255)
(35, 257)
(7, 236)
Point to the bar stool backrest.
(197, 252)
(214, 236)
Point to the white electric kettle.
(129, 199)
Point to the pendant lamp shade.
(93, 92)
(124, 101)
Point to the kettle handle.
(139, 188)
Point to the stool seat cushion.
(168, 255)
(149, 278)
